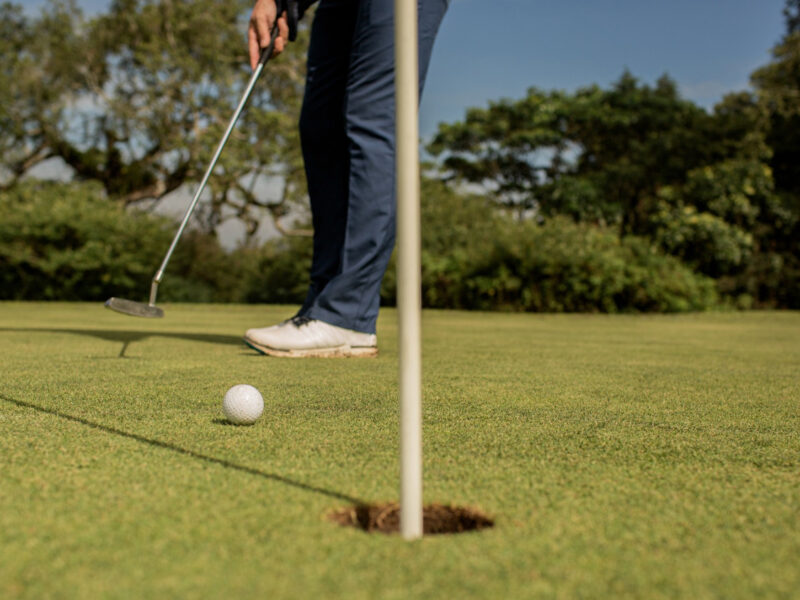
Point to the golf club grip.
(266, 53)
(292, 18)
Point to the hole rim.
(437, 518)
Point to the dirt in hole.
(436, 518)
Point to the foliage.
(792, 14)
(475, 259)
(703, 239)
(278, 271)
(561, 266)
(720, 190)
(775, 275)
(778, 85)
(138, 98)
(67, 242)
(501, 146)
(708, 221)
(595, 155)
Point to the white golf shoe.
(302, 336)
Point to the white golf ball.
(242, 404)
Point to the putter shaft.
(265, 56)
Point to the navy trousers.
(347, 131)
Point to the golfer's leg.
(351, 299)
(324, 139)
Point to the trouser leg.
(324, 139)
(350, 298)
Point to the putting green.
(643, 456)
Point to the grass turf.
(640, 456)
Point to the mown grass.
(634, 456)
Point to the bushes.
(473, 258)
(563, 267)
(68, 242)
(278, 271)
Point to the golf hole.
(436, 518)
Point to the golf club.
(150, 310)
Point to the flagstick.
(408, 267)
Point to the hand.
(258, 33)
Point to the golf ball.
(242, 404)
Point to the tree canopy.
(719, 189)
(792, 14)
(137, 99)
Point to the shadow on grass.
(126, 337)
(184, 451)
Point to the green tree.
(596, 155)
(699, 184)
(137, 99)
(792, 14)
(513, 148)
(633, 139)
(778, 86)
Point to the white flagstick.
(408, 267)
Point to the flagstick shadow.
(185, 451)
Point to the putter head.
(134, 309)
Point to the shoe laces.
(300, 320)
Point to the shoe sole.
(344, 351)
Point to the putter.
(150, 310)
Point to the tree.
(596, 155)
(634, 139)
(515, 149)
(138, 98)
(36, 76)
(792, 14)
(778, 86)
(698, 184)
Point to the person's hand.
(258, 34)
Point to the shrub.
(560, 266)
(68, 242)
(277, 271)
(474, 258)
(703, 240)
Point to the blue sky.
(491, 49)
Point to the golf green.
(633, 456)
